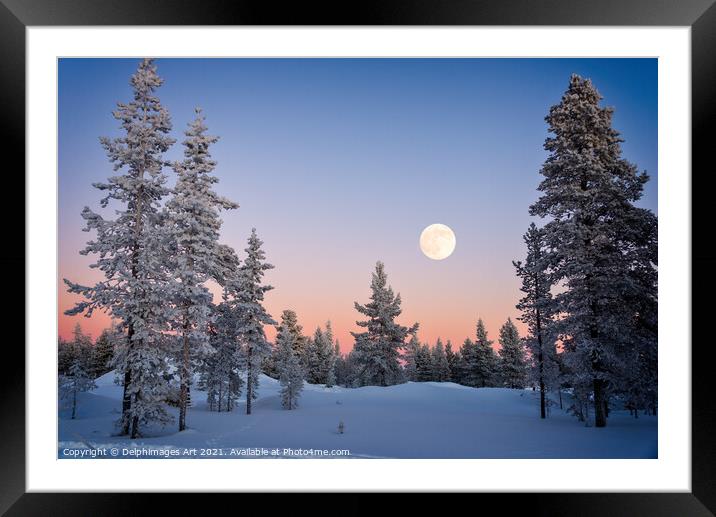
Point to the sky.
(339, 163)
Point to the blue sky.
(342, 162)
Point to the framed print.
(437, 250)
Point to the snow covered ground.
(413, 420)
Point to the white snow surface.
(413, 420)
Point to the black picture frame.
(700, 15)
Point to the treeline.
(475, 363)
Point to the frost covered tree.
(377, 350)
(466, 366)
(302, 342)
(130, 247)
(424, 364)
(220, 371)
(320, 357)
(602, 248)
(343, 377)
(78, 348)
(313, 357)
(194, 225)
(537, 308)
(65, 355)
(251, 315)
(453, 361)
(410, 355)
(338, 365)
(103, 351)
(513, 363)
(77, 380)
(440, 366)
(479, 362)
(289, 320)
(288, 364)
(329, 356)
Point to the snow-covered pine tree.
(320, 357)
(441, 369)
(329, 356)
(287, 361)
(194, 224)
(251, 315)
(423, 364)
(129, 248)
(537, 309)
(603, 249)
(339, 366)
(469, 371)
(77, 380)
(485, 361)
(378, 348)
(313, 357)
(302, 342)
(78, 348)
(103, 352)
(453, 361)
(513, 363)
(65, 355)
(289, 320)
(410, 358)
(220, 371)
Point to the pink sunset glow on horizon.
(324, 305)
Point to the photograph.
(357, 258)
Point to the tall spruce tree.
(410, 357)
(378, 348)
(485, 361)
(289, 320)
(537, 309)
(288, 364)
(513, 363)
(441, 368)
(320, 357)
(77, 380)
(423, 364)
(469, 371)
(329, 356)
(602, 248)
(194, 224)
(130, 249)
(251, 315)
(220, 371)
(453, 361)
(103, 352)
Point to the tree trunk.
(600, 417)
(74, 402)
(184, 376)
(126, 397)
(559, 390)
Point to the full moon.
(437, 241)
